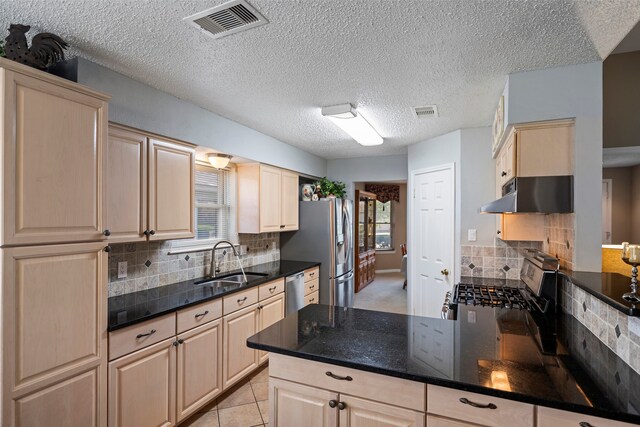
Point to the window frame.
(391, 248)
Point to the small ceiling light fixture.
(219, 161)
(347, 119)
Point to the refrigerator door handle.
(345, 278)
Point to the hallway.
(385, 293)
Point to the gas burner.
(490, 296)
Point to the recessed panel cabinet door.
(271, 312)
(171, 190)
(199, 367)
(290, 403)
(142, 387)
(270, 199)
(53, 162)
(363, 413)
(126, 184)
(54, 331)
(289, 201)
(238, 358)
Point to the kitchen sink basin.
(231, 279)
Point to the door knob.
(444, 272)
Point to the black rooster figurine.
(46, 48)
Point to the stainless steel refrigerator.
(325, 235)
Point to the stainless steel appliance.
(325, 235)
(537, 291)
(534, 194)
(294, 293)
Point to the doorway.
(432, 239)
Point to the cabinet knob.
(503, 173)
(152, 232)
(175, 343)
(341, 405)
(106, 232)
(146, 232)
(180, 341)
(498, 232)
(333, 403)
(107, 248)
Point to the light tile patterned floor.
(245, 405)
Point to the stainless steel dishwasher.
(294, 292)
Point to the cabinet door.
(53, 163)
(535, 146)
(555, 417)
(362, 413)
(238, 358)
(270, 199)
(290, 402)
(271, 311)
(446, 422)
(142, 387)
(509, 163)
(171, 190)
(126, 186)
(199, 367)
(528, 227)
(289, 201)
(54, 329)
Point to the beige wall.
(621, 100)
(392, 260)
(620, 204)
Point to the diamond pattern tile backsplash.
(501, 260)
(149, 264)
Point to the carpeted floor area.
(385, 293)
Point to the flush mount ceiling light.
(348, 119)
(219, 161)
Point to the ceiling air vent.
(426, 111)
(226, 19)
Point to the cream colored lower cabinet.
(271, 311)
(433, 421)
(358, 412)
(199, 367)
(292, 405)
(239, 359)
(557, 418)
(142, 387)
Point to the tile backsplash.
(560, 235)
(149, 264)
(501, 260)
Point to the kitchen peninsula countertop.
(607, 287)
(129, 309)
(559, 364)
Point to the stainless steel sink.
(231, 279)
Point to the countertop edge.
(568, 275)
(454, 384)
(257, 282)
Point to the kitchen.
(136, 175)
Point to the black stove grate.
(490, 296)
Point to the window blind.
(213, 208)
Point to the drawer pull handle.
(333, 403)
(241, 300)
(585, 424)
(312, 300)
(273, 289)
(477, 405)
(338, 377)
(312, 286)
(151, 332)
(202, 314)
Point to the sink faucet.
(214, 269)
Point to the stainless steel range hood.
(539, 194)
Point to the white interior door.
(432, 240)
(606, 211)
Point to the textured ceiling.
(384, 56)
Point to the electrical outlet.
(472, 235)
(122, 270)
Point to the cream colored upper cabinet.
(53, 139)
(126, 183)
(54, 334)
(267, 199)
(545, 149)
(171, 205)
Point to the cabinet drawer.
(397, 391)
(239, 300)
(447, 402)
(270, 289)
(199, 315)
(312, 273)
(555, 417)
(312, 298)
(311, 286)
(127, 340)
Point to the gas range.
(536, 291)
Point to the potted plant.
(327, 188)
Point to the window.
(384, 237)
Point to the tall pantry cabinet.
(53, 254)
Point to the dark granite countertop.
(129, 309)
(607, 287)
(557, 363)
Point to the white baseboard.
(392, 270)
